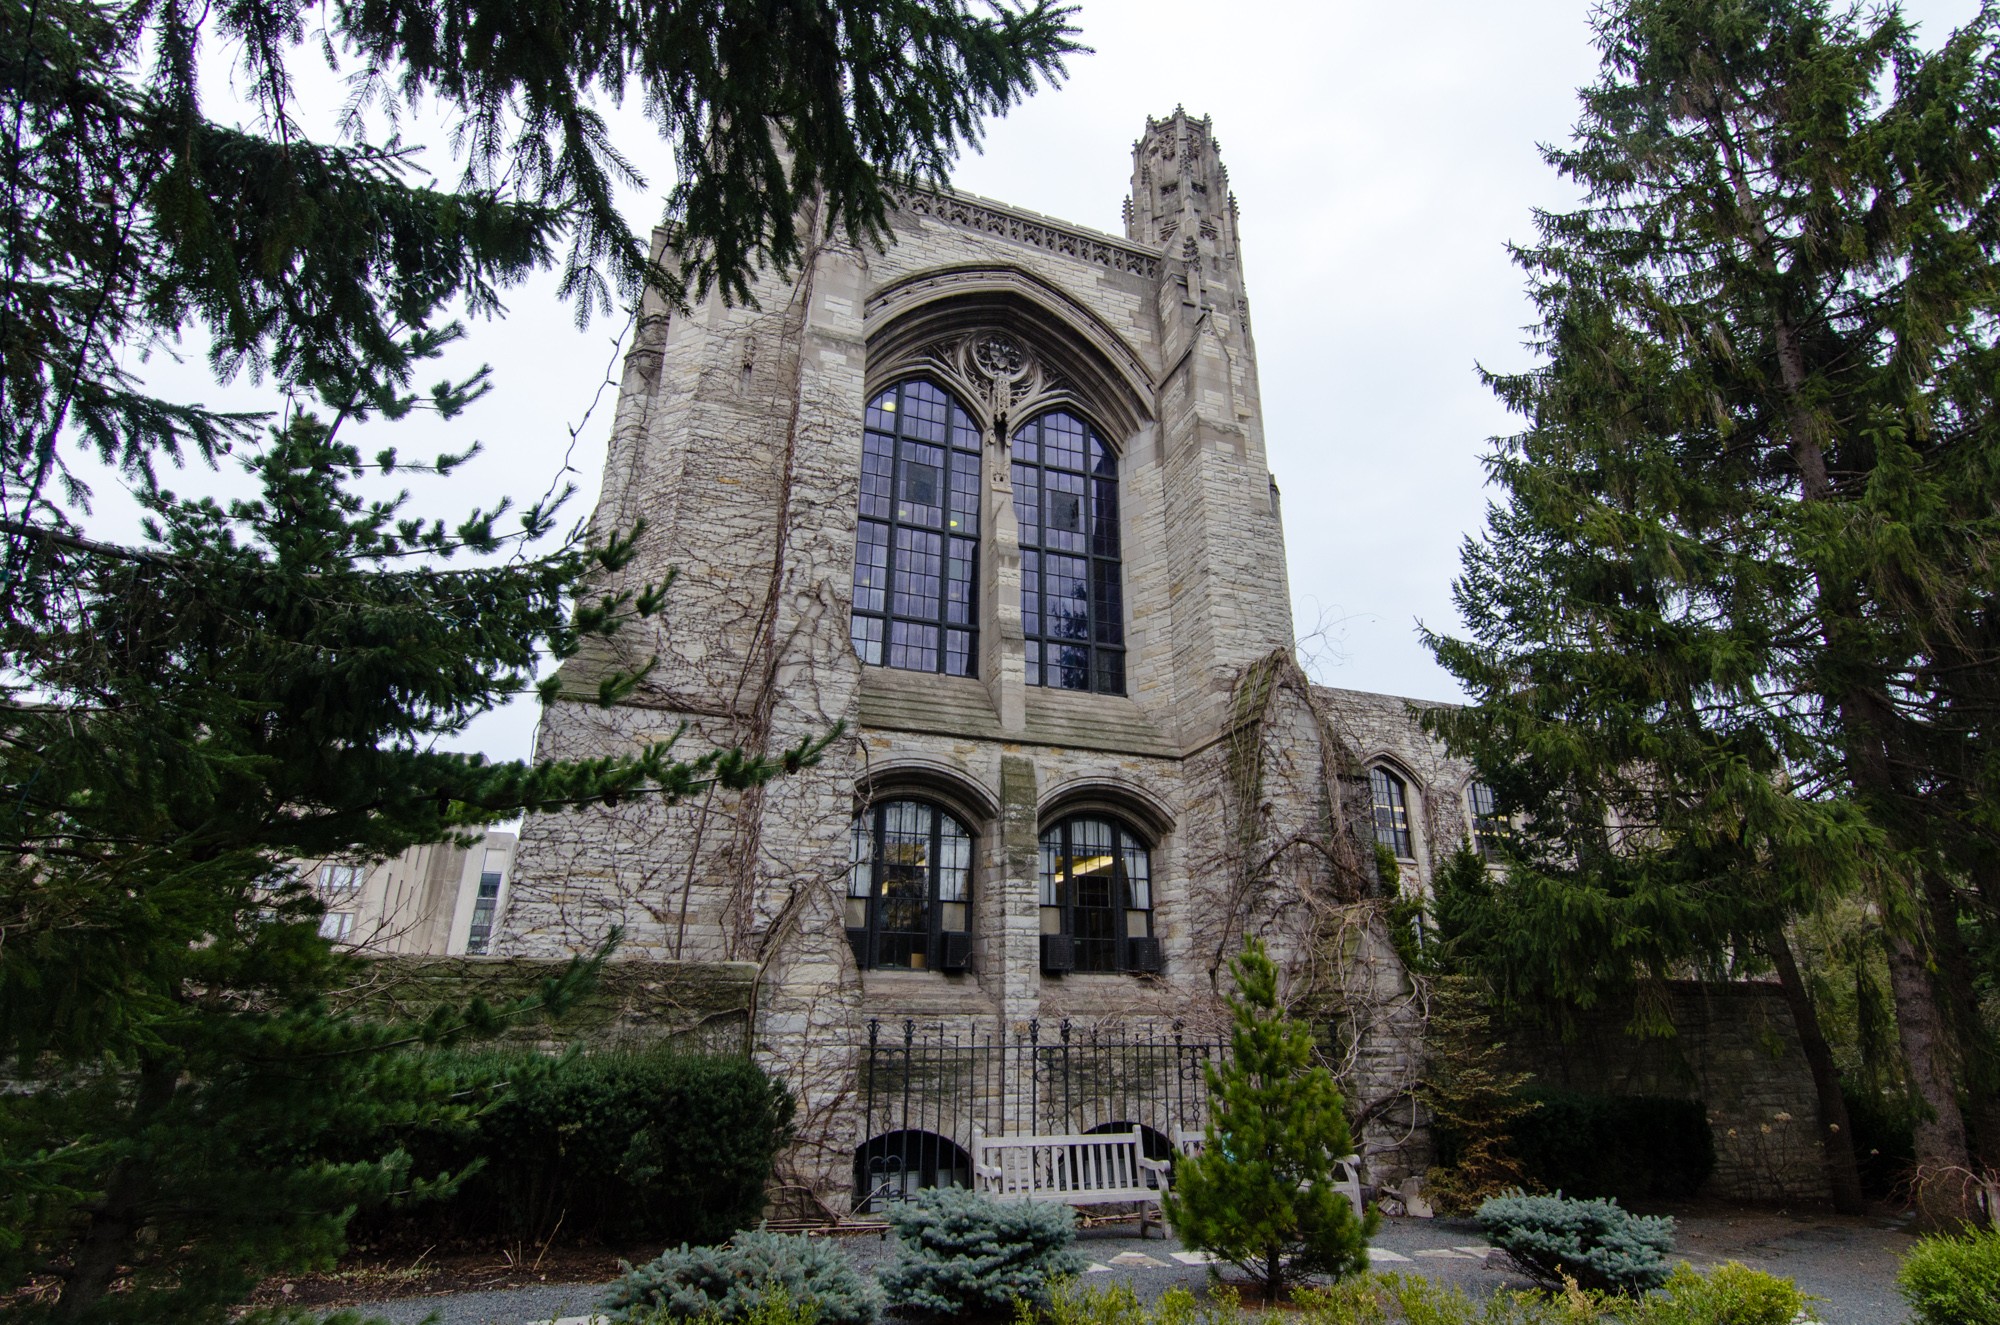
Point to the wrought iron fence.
(925, 1089)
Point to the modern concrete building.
(440, 899)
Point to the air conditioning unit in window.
(1142, 955)
(957, 953)
(1058, 953)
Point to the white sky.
(1382, 155)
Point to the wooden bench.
(1100, 1168)
(1346, 1170)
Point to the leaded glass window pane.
(1392, 812)
(1072, 596)
(1487, 825)
(916, 548)
(1097, 886)
(909, 882)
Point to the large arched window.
(1392, 812)
(1097, 898)
(1072, 589)
(909, 888)
(916, 553)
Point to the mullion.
(933, 908)
(1068, 874)
(878, 852)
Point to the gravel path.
(1849, 1264)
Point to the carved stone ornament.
(997, 357)
(998, 378)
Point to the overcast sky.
(1383, 155)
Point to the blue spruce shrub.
(959, 1251)
(729, 1282)
(1595, 1243)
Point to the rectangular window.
(339, 878)
(1487, 825)
(336, 925)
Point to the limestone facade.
(739, 443)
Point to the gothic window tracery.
(916, 556)
(1096, 897)
(1072, 583)
(909, 887)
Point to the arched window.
(1488, 827)
(909, 888)
(1097, 898)
(916, 550)
(1392, 812)
(897, 1165)
(1072, 588)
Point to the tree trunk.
(106, 1244)
(1944, 1180)
(1836, 1134)
(1980, 1073)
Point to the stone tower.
(996, 499)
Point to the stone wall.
(704, 1005)
(1734, 1048)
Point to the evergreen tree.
(1731, 632)
(1474, 1098)
(269, 679)
(1260, 1194)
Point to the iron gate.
(925, 1089)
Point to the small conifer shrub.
(1260, 1195)
(959, 1251)
(1953, 1281)
(1595, 1243)
(732, 1283)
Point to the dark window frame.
(1392, 814)
(1489, 826)
(1094, 951)
(485, 906)
(1099, 531)
(867, 939)
(873, 631)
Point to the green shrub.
(653, 1144)
(1593, 1242)
(1727, 1295)
(1073, 1302)
(739, 1282)
(1625, 1147)
(1953, 1281)
(1730, 1294)
(959, 1251)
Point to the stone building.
(436, 898)
(996, 500)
